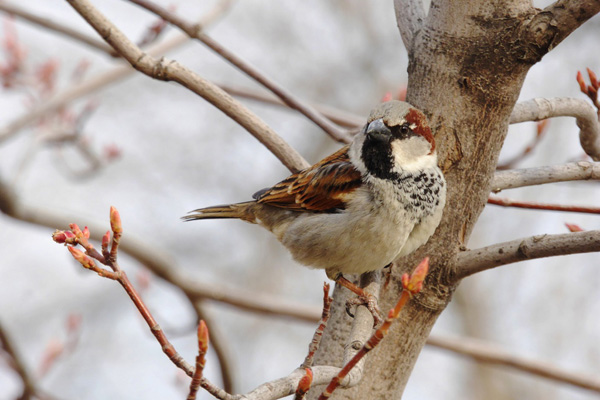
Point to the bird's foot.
(362, 299)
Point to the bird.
(374, 200)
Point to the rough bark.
(467, 64)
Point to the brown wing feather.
(325, 186)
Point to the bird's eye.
(402, 131)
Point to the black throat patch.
(377, 156)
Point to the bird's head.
(396, 139)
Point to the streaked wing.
(326, 186)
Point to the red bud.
(115, 221)
(582, 84)
(86, 233)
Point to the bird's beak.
(377, 130)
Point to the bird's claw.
(370, 302)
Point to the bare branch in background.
(472, 261)
(579, 171)
(410, 15)
(340, 117)
(195, 31)
(114, 75)
(15, 361)
(587, 120)
(489, 354)
(170, 70)
(54, 26)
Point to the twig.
(578, 171)
(489, 354)
(29, 389)
(411, 285)
(409, 16)
(542, 206)
(92, 85)
(340, 117)
(54, 26)
(196, 31)
(76, 236)
(587, 120)
(170, 70)
(541, 128)
(472, 261)
(200, 360)
(316, 340)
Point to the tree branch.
(486, 353)
(472, 261)
(578, 171)
(195, 31)
(568, 15)
(80, 90)
(340, 117)
(409, 16)
(54, 26)
(112, 76)
(587, 120)
(29, 389)
(541, 206)
(171, 70)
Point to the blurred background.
(156, 151)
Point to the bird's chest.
(410, 197)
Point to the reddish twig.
(304, 385)
(590, 90)
(411, 285)
(316, 340)
(542, 206)
(200, 360)
(76, 236)
(540, 129)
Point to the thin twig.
(200, 360)
(340, 117)
(411, 285)
(489, 354)
(472, 261)
(78, 237)
(54, 26)
(114, 75)
(316, 340)
(196, 31)
(542, 206)
(29, 389)
(171, 70)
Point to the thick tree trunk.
(467, 64)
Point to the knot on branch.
(537, 37)
(161, 69)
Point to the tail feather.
(243, 211)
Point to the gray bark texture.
(467, 63)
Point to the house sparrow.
(374, 200)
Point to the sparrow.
(375, 200)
